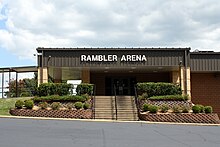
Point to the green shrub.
(25, 94)
(62, 88)
(19, 104)
(144, 96)
(86, 106)
(78, 105)
(176, 109)
(196, 108)
(208, 109)
(185, 109)
(201, 108)
(157, 89)
(153, 108)
(55, 105)
(70, 106)
(43, 89)
(84, 88)
(29, 104)
(57, 98)
(145, 107)
(169, 97)
(164, 108)
(46, 89)
(43, 105)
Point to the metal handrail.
(116, 109)
(136, 99)
(93, 100)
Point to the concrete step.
(104, 115)
(105, 108)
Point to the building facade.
(198, 73)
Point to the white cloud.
(108, 23)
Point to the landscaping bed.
(170, 103)
(81, 114)
(54, 100)
(164, 102)
(181, 117)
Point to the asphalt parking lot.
(63, 133)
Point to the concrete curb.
(102, 120)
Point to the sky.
(28, 24)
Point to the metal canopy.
(19, 69)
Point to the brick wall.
(205, 88)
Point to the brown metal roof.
(111, 48)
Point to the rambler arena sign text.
(112, 58)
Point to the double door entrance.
(119, 85)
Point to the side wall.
(206, 89)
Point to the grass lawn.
(8, 103)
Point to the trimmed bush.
(201, 108)
(145, 107)
(78, 105)
(55, 105)
(84, 88)
(57, 98)
(144, 96)
(29, 104)
(185, 109)
(169, 97)
(208, 109)
(62, 88)
(86, 106)
(196, 108)
(43, 105)
(153, 108)
(157, 89)
(43, 89)
(25, 94)
(46, 89)
(176, 109)
(19, 104)
(164, 108)
(70, 106)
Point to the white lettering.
(123, 58)
(83, 57)
(94, 57)
(128, 57)
(138, 58)
(112, 58)
(144, 58)
(89, 58)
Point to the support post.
(3, 84)
(16, 84)
(9, 82)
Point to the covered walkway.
(6, 75)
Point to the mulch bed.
(81, 114)
(181, 118)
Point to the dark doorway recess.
(123, 85)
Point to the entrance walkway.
(123, 109)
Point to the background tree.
(26, 87)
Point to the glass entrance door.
(122, 85)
